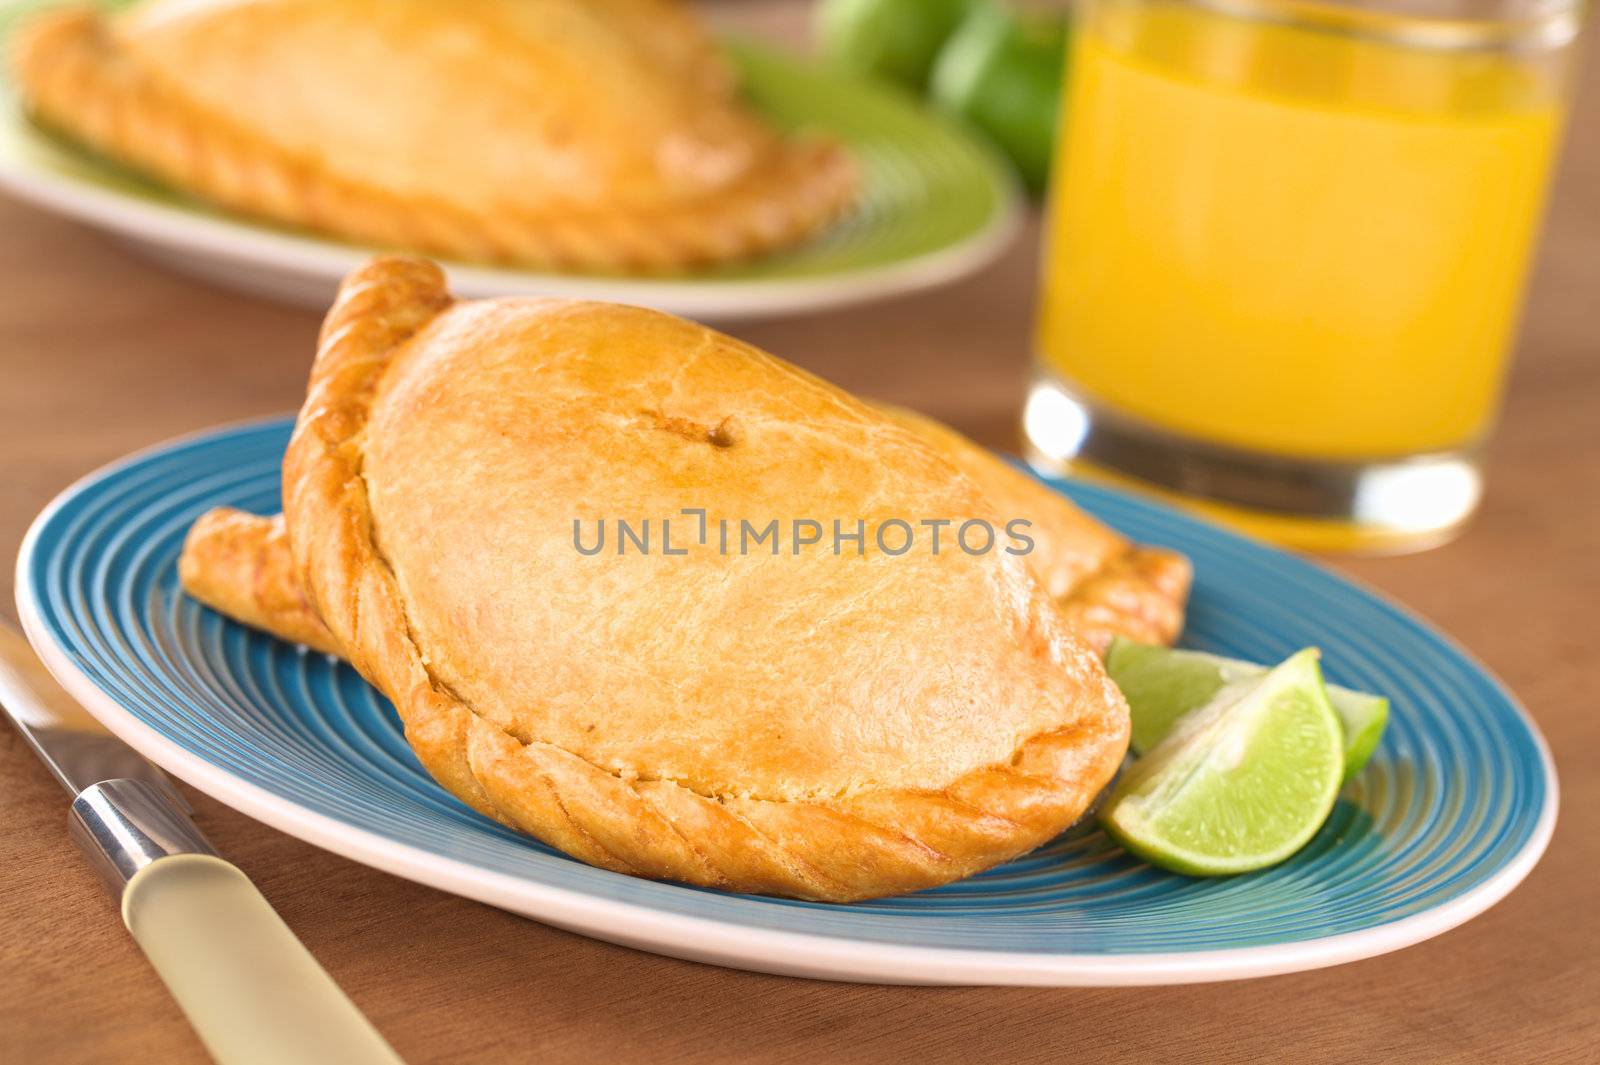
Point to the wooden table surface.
(102, 353)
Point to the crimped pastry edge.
(867, 844)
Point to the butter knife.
(248, 985)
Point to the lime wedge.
(1240, 783)
(1161, 685)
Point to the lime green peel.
(1162, 685)
(1240, 783)
(1002, 71)
(892, 39)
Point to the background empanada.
(583, 134)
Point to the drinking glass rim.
(1541, 26)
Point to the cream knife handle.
(250, 988)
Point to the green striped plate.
(936, 204)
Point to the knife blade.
(247, 984)
(75, 747)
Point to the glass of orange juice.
(1286, 250)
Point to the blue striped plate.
(1450, 815)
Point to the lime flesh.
(1240, 783)
(1162, 685)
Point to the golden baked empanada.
(240, 562)
(585, 134)
(825, 721)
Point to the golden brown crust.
(861, 842)
(1106, 585)
(870, 842)
(889, 839)
(1139, 594)
(240, 564)
(235, 563)
(76, 74)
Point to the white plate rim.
(740, 946)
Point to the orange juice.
(1304, 240)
